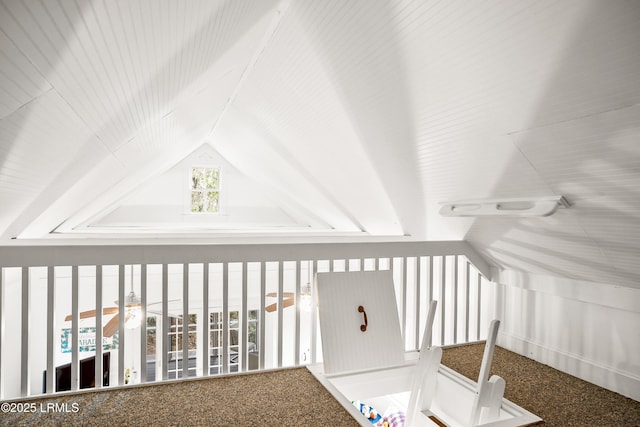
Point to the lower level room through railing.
(71, 327)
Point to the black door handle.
(363, 328)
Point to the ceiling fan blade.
(284, 294)
(111, 327)
(271, 308)
(83, 315)
(110, 310)
(286, 302)
(92, 313)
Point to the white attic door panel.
(345, 347)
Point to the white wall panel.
(579, 327)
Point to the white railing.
(238, 329)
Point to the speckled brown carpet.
(293, 397)
(290, 397)
(558, 398)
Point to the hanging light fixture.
(132, 307)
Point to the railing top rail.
(31, 256)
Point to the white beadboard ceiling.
(335, 120)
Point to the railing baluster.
(430, 292)
(75, 320)
(443, 280)
(98, 365)
(279, 308)
(393, 276)
(455, 299)
(479, 302)
(314, 311)
(206, 358)
(263, 302)
(467, 298)
(121, 317)
(418, 269)
(50, 329)
(49, 380)
(142, 377)
(405, 278)
(297, 307)
(185, 321)
(2, 329)
(164, 362)
(242, 350)
(225, 317)
(24, 344)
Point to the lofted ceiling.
(330, 121)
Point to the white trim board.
(606, 295)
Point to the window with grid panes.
(205, 190)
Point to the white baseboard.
(610, 378)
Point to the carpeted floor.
(293, 397)
(289, 397)
(559, 399)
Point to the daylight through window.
(205, 190)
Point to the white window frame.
(175, 330)
(190, 189)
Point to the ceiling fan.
(287, 301)
(288, 298)
(131, 320)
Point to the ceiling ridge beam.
(280, 11)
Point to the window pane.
(197, 203)
(197, 178)
(212, 176)
(234, 332)
(151, 338)
(212, 201)
(205, 183)
(215, 342)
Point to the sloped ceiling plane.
(329, 121)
